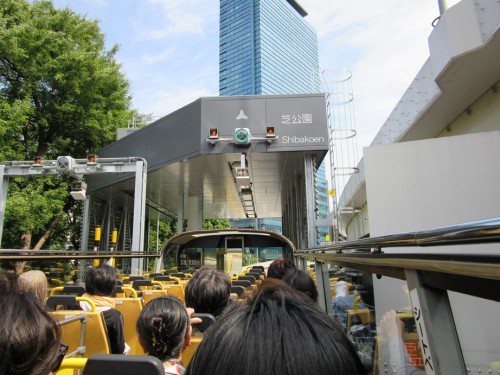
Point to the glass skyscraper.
(266, 47)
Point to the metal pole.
(4, 184)
(436, 329)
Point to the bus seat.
(244, 283)
(130, 279)
(165, 280)
(142, 284)
(176, 291)
(206, 321)
(123, 365)
(180, 275)
(148, 295)
(69, 365)
(364, 315)
(249, 278)
(95, 334)
(170, 271)
(257, 271)
(239, 290)
(154, 274)
(259, 268)
(188, 353)
(130, 309)
(68, 290)
(257, 276)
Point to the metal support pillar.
(180, 215)
(84, 242)
(323, 283)
(195, 212)
(139, 214)
(310, 203)
(4, 184)
(441, 351)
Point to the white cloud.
(163, 102)
(181, 17)
(151, 59)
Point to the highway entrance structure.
(220, 157)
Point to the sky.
(169, 49)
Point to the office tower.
(266, 47)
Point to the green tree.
(166, 229)
(216, 224)
(61, 93)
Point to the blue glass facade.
(266, 48)
(272, 223)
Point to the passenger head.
(163, 328)
(301, 281)
(29, 336)
(100, 281)
(279, 332)
(208, 291)
(8, 282)
(34, 282)
(278, 268)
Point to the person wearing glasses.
(29, 336)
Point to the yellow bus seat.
(364, 315)
(188, 353)
(123, 365)
(130, 309)
(69, 366)
(68, 290)
(239, 290)
(95, 334)
(148, 295)
(176, 291)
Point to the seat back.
(142, 284)
(180, 275)
(206, 321)
(243, 283)
(130, 309)
(239, 290)
(94, 334)
(176, 291)
(119, 364)
(164, 279)
(148, 295)
(249, 278)
(257, 276)
(188, 353)
(68, 290)
(259, 268)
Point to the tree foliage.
(61, 93)
(216, 224)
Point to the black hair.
(29, 336)
(8, 282)
(208, 291)
(278, 267)
(163, 326)
(278, 332)
(301, 281)
(100, 281)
